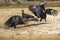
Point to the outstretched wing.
(9, 22)
(51, 12)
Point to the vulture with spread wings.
(40, 11)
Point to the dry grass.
(49, 4)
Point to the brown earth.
(49, 29)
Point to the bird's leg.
(14, 25)
(45, 20)
(40, 19)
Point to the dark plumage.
(27, 16)
(51, 12)
(13, 21)
(40, 11)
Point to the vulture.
(14, 20)
(26, 16)
(40, 12)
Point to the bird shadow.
(32, 25)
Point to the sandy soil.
(49, 29)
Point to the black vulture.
(27, 16)
(40, 11)
(14, 20)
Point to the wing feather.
(51, 12)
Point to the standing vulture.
(40, 11)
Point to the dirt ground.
(50, 29)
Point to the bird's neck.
(22, 13)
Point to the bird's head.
(22, 11)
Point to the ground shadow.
(28, 25)
(32, 25)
